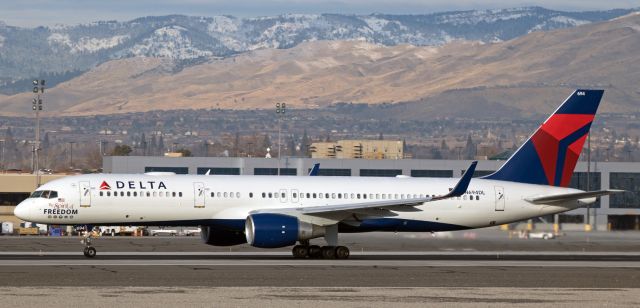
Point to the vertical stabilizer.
(549, 156)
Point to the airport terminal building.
(617, 212)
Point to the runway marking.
(536, 254)
(334, 263)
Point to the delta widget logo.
(105, 186)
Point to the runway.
(267, 269)
(488, 269)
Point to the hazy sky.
(31, 13)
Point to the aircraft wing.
(572, 196)
(381, 207)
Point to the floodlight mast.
(38, 90)
(280, 110)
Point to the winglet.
(314, 170)
(461, 188)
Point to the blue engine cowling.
(271, 230)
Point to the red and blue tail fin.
(549, 156)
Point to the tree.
(266, 143)
(304, 148)
(292, 146)
(184, 152)
(161, 145)
(153, 146)
(121, 150)
(143, 144)
(470, 148)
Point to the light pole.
(2, 163)
(280, 110)
(71, 154)
(38, 90)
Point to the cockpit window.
(47, 194)
(36, 194)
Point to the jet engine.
(266, 230)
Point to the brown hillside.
(527, 75)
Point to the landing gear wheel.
(315, 252)
(328, 252)
(342, 252)
(89, 252)
(300, 251)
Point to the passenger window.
(320, 196)
(100, 194)
(155, 194)
(264, 195)
(340, 196)
(377, 196)
(173, 194)
(358, 196)
(308, 195)
(295, 195)
(364, 196)
(270, 195)
(477, 197)
(370, 196)
(282, 195)
(238, 195)
(226, 195)
(148, 194)
(135, 193)
(326, 195)
(180, 194)
(333, 195)
(353, 196)
(213, 194)
(128, 194)
(250, 195)
(314, 195)
(161, 194)
(108, 194)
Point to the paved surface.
(460, 269)
(316, 297)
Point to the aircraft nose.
(22, 210)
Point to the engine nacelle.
(221, 237)
(277, 230)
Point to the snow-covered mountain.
(65, 50)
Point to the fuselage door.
(85, 194)
(283, 195)
(198, 195)
(500, 198)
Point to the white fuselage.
(129, 199)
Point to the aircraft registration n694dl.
(271, 211)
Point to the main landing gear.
(317, 252)
(331, 251)
(89, 251)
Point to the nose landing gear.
(89, 251)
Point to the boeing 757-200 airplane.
(272, 211)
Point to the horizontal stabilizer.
(572, 196)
